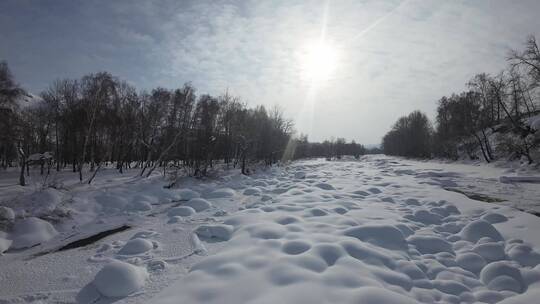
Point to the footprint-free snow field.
(374, 230)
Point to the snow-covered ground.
(377, 230)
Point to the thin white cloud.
(394, 56)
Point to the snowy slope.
(377, 230)
(502, 136)
(366, 233)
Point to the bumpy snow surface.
(378, 230)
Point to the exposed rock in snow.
(31, 231)
(119, 279)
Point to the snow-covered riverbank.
(380, 229)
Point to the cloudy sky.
(339, 68)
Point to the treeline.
(100, 119)
(83, 124)
(330, 149)
(489, 120)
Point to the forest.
(84, 124)
(490, 120)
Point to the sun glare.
(318, 61)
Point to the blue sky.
(392, 56)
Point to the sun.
(318, 61)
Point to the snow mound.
(386, 236)
(111, 203)
(6, 214)
(198, 204)
(361, 192)
(266, 231)
(427, 217)
(325, 186)
(140, 205)
(488, 296)
(4, 244)
(494, 218)
(219, 231)
(374, 190)
(491, 251)
(524, 255)
(478, 229)
(397, 240)
(40, 202)
(175, 219)
(181, 211)
(471, 261)
(187, 194)
(526, 298)
(316, 212)
(385, 243)
(428, 244)
(136, 246)
(300, 175)
(252, 191)
(296, 247)
(221, 193)
(119, 279)
(31, 231)
(151, 199)
(502, 275)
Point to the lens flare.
(319, 61)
